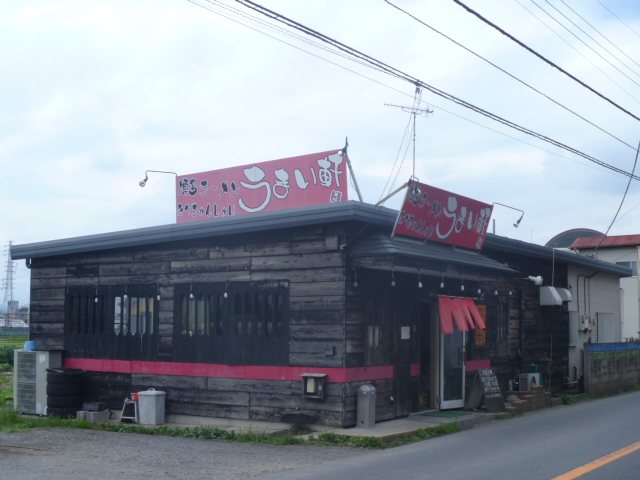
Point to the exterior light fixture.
(419, 280)
(442, 281)
(495, 292)
(225, 294)
(462, 286)
(313, 385)
(393, 279)
(355, 278)
(143, 182)
(537, 281)
(517, 222)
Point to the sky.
(95, 93)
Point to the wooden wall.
(520, 332)
(309, 259)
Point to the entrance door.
(452, 370)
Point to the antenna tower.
(414, 110)
(7, 285)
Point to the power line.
(517, 79)
(635, 162)
(599, 32)
(619, 19)
(392, 71)
(389, 183)
(595, 65)
(544, 59)
(583, 42)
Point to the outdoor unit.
(30, 379)
(528, 380)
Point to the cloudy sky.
(94, 93)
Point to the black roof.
(532, 250)
(351, 211)
(383, 245)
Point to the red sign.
(306, 180)
(432, 214)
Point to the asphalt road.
(540, 445)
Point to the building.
(622, 250)
(284, 315)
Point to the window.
(377, 315)
(251, 310)
(111, 321)
(133, 315)
(232, 322)
(195, 314)
(84, 314)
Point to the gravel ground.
(70, 454)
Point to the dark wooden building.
(229, 316)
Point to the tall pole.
(414, 110)
(7, 285)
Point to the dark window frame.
(247, 323)
(94, 328)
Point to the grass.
(7, 346)
(10, 421)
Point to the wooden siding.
(308, 259)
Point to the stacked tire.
(64, 391)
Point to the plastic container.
(151, 407)
(29, 345)
(366, 408)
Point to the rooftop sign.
(306, 180)
(429, 213)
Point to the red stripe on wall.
(254, 372)
(475, 365)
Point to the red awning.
(461, 310)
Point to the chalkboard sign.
(486, 387)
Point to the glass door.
(452, 370)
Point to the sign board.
(429, 213)
(481, 333)
(306, 180)
(486, 387)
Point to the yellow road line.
(598, 463)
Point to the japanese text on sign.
(429, 213)
(306, 180)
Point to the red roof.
(612, 241)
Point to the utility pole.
(7, 285)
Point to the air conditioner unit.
(30, 379)
(528, 380)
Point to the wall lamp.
(517, 222)
(143, 182)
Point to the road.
(540, 445)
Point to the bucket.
(29, 345)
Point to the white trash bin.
(151, 407)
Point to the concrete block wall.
(611, 366)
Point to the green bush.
(6, 354)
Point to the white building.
(622, 250)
